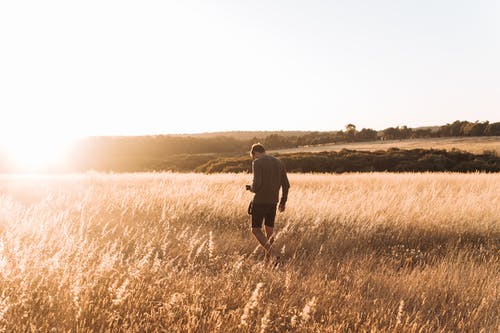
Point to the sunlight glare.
(36, 153)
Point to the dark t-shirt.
(269, 175)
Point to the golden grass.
(476, 145)
(173, 252)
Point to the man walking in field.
(269, 175)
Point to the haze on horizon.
(70, 69)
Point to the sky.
(78, 68)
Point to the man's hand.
(281, 207)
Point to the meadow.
(476, 145)
(167, 252)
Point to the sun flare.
(35, 153)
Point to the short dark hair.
(257, 148)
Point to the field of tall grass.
(173, 252)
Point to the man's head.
(257, 150)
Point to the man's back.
(269, 175)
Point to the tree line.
(392, 160)
(161, 146)
(457, 128)
(188, 152)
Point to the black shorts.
(263, 212)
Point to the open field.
(173, 252)
(475, 145)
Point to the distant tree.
(421, 133)
(492, 129)
(275, 141)
(350, 130)
(390, 133)
(404, 132)
(340, 136)
(457, 128)
(454, 129)
(366, 134)
(474, 129)
(350, 127)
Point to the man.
(269, 175)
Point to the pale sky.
(76, 68)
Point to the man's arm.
(257, 177)
(285, 186)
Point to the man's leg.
(264, 242)
(270, 239)
(261, 212)
(270, 216)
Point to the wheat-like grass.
(173, 252)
